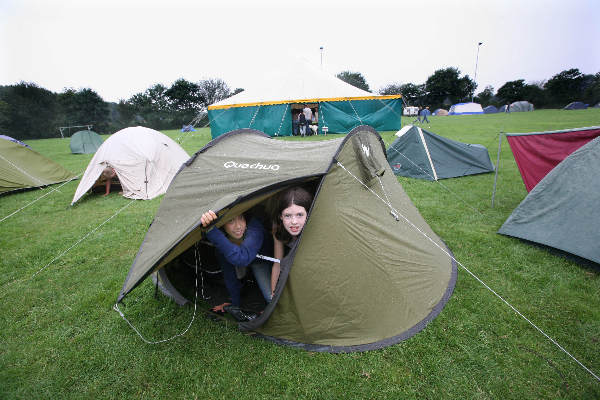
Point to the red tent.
(537, 153)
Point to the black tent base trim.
(169, 290)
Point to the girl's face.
(236, 227)
(293, 219)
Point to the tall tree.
(411, 93)
(152, 107)
(30, 111)
(485, 97)
(213, 90)
(591, 94)
(355, 79)
(83, 107)
(566, 86)
(447, 85)
(512, 91)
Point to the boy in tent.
(237, 247)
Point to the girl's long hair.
(295, 195)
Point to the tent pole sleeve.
(497, 167)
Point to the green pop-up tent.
(418, 153)
(367, 271)
(85, 142)
(22, 168)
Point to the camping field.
(62, 266)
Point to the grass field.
(60, 338)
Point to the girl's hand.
(207, 218)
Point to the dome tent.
(23, 168)
(521, 106)
(418, 153)
(268, 106)
(369, 274)
(576, 105)
(440, 111)
(562, 211)
(145, 161)
(490, 110)
(85, 142)
(465, 109)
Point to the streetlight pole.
(476, 62)
(321, 48)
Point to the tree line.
(28, 111)
(446, 87)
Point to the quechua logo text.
(256, 165)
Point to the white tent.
(145, 161)
(465, 109)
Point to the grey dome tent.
(521, 106)
(358, 278)
(85, 142)
(576, 105)
(490, 110)
(418, 153)
(562, 211)
(440, 112)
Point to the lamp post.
(476, 62)
(321, 48)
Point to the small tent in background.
(465, 109)
(576, 105)
(536, 153)
(339, 106)
(22, 168)
(188, 128)
(490, 110)
(85, 142)
(4, 137)
(503, 108)
(440, 111)
(145, 161)
(562, 209)
(418, 153)
(358, 278)
(521, 106)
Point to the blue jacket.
(231, 255)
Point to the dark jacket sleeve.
(243, 254)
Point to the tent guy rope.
(72, 246)
(116, 308)
(473, 275)
(39, 198)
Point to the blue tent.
(576, 105)
(490, 110)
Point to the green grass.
(59, 337)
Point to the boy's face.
(236, 227)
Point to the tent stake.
(497, 166)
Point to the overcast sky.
(122, 47)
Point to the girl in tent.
(288, 222)
(237, 246)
